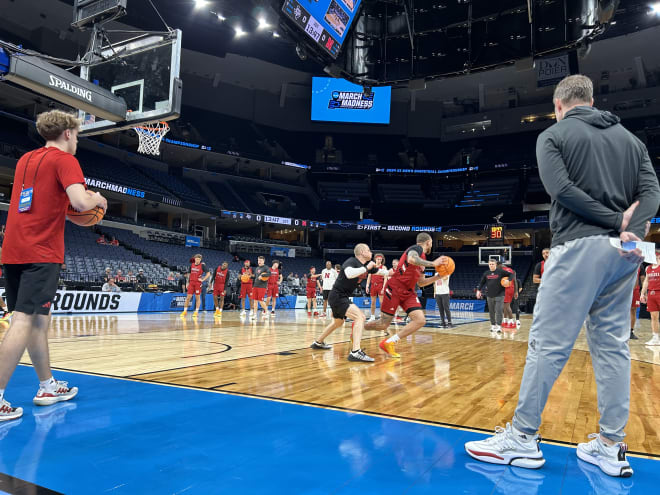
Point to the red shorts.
(246, 291)
(375, 290)
(508, 295)
(219, 292)
(653, 301)
(396, 296)
(635, 298)
(195, 288)
(273, 291)
(311, 293)
(258, 293)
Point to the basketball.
(85, 218)
(505, 282)
(447, 268)
(264, 276)
(245, 278)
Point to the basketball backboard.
(498, 253)
(145, 72)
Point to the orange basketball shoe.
(389, 348)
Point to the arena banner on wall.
(551, 70)
(94, 302)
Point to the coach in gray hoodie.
(602, 185)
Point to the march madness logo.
(353, 100)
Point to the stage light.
(200, 3)
(263, 24)
(221, 18)
(655, 8)
(276, 34)
(239, 31)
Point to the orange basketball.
(264, 276)
(85, 218)
(447, 267)
(245, 278)
(505, 282)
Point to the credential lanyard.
(27, 195)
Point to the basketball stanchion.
(151, 135)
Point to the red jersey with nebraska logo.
(220, 277)
(377, 280)
(653, 277)
(196, 272)
(311, 281)
(249, 272)
(274, 277)
(408, 275)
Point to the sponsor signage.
(551, 70)
(192, 240)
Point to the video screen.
(338, 100)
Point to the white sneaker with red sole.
(7, 413)
(62, 392)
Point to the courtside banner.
(94, 302)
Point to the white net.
(151, 136)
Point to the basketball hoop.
(151, 136)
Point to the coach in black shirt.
(492, 278)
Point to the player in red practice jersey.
(246, 287)
(220, 281)
(400, 291)
(198, 271)
(312, 284)
(376, 285)
(273, 290)
(651, 296)
(510, 293)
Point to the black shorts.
(326, 294)
(339, 305)
(31, 288)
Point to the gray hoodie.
(594, 169)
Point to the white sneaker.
(253, 316)
(372, 318)
(518, 323)
(498, 329)
(493, 328)
(610, 459)
(655, 340)
(243, 313)
(7, 412)
(508, 446)
(61, 393)
(272, 314)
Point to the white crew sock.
(393, 339)
(48, 385)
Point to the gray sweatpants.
(495, 308)
(583, 279)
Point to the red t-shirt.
(249, 272)
(311, 281)
(37, 236)
(274, 277)
(652, 275)
(220, 278)
(406, 274)
(196, 272)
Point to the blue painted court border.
(123, 436)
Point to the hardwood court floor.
(462, 377)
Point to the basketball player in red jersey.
(261, 279)
(246, 287)
(376, 285)
(651, 296)
(312, 284)
(400, 291)
(197, 272)
(635, 306)
(510, 293)
(46, 181)
(273, 290)
(220, 281)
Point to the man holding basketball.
(261, 277)
(220, 281)
(400, 291)
(492, 279)
(246, 277)
(46, 181)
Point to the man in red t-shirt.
(510, 293)
(46, 181)
(400, 291)
(273, 290)
(198, 274)
(247, 276)
(220, 281)
(312, 284)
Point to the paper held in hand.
(647, 248)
